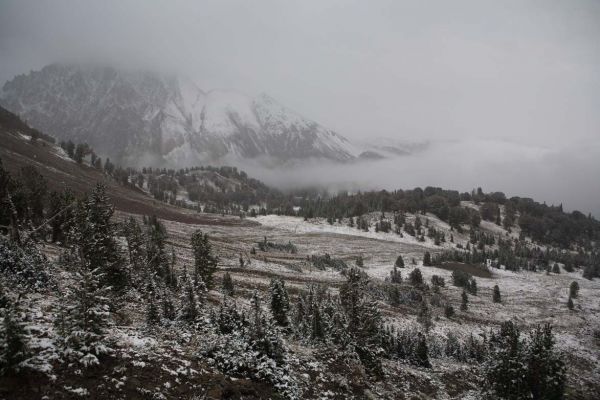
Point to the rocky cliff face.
(136, 116)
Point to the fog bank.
(568, 175)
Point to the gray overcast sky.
(503, 71)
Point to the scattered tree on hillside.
(496, 295)
(525, 369)
(399, 262)
(416, 277)
(438, 281)
(135, 244)
(84, 318)
(189, 303)
(157, 260)
(280, 303)
(93, 234)
(228, 287)
(574, 289)
(205, 263)
(421, 357)
(427, 259)
(395, 275)
(424, 316)
(13, 340)
(464, 305)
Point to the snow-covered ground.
(297, 225)
(528, 298)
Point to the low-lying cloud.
(567, 175)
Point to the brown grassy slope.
(17, 151)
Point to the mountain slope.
(17, 150)
(134, 116)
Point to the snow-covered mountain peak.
(130, 115)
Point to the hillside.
(19, 150)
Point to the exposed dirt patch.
(145, 380)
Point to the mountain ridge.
(134, 116)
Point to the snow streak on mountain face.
(146, 117)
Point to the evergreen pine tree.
(394, 296)
(156, 255)
(189, 303)
(228, 319)
(167, 306)
(84, 318)
(416, 277)
(170, 278)
(424, 316)
(135, 244)
(437, 282)
(506, 368)
(317, 330)
(496, 296)
(453, 347)
(518, 369)
(364, 323)
(449, 311)
(300, 315)
(205, 263)
(421, 355)
(228, 287)
(351, 297)
(464, 305)
(279, 302)
(152, 313)
(399, 262)
(427, 259)
(13, 340)
(574, 290)
(556, 269)
(546, 369)
(395, 275)
(262, 337)
(94, 235)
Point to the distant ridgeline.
(227, 190)
(224, 190)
